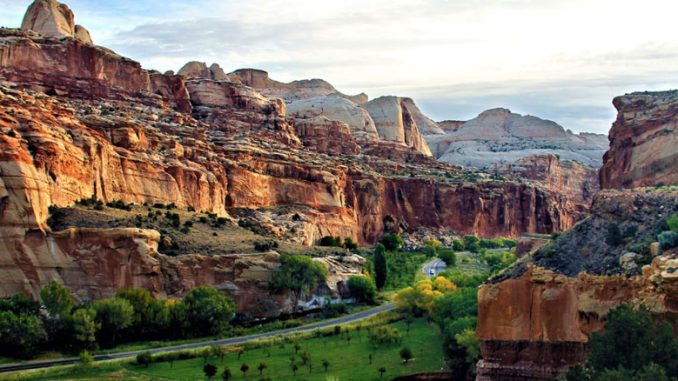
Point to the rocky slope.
(643, 141)
(499, 136)
(535, 319)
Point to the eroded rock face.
(535, 319)
(576, 181)
(199, 70)
(325, 135)
(335, 108)
(395, 122)
(69, 68)
(53, 19)
(498, 137)
(643, 141)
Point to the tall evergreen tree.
(380, 267)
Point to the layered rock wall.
(643, 141)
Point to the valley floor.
(348, 361)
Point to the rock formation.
(395, 123)
(53, 19)
(643, 141)
(535, 319)
(199, 70)
(499, 136)
(81, 122)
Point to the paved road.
(234, 340)
(433, 268)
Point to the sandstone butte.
(535, 320)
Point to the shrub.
(265, 245)
(362, 289)
(119, 204)
(614, 236)
(672, 222)
(144, 358)
(472, 243)
(392, 242)
(448, 256)
(350, 245)
(330, 241)
(457, 245)
(668, 239)
(86, 358)
(406, 354)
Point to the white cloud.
(469, 53)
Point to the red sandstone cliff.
(643, 141)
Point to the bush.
(457, 245)
(668, 239)
(614, 236)
(350, 245)
(330, 241)
(265, 245)
(119, 204)
(362, 289)
(86, 358)
(144, 358)
(448, 256)
(472, 243)
(672, 222)
(392, 242)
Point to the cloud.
(559, 59)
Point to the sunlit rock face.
(500, 137)
(53, 19)
(643, 141)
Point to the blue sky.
(562, 60)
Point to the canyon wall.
(643, 141)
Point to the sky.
(563, 60)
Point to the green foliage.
(330, 241)
(84, 327)
(668, 239)
(392, 242)
(119, 204)
(20, 334)
(150, 317)
(672, 222)
(380, 265)
(632, 340)
(448, 256)
(385, 335)
(350, 245)
(614, 236)
(144, 358)
(463, 280)
(298, 273)
(20, 304)
(406, 354)
(458, 245)
(57, 299)
(208, 311)
(210, 370)
(468, 340)
(472, 243)
(362, 288)
(498, 260)
(226, 374)
(86, 358)
(114, 315)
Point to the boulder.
(53, 19)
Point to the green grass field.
(347, 361)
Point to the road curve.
(234, 340)
(434, 267)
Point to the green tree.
(406, 354)
(448, 256)
(262, 366)
(57, 299)
(350, 245)
(86, 358)
(472, 243)
(298, 273)
(382, 370)
(380, 266)
(226, 374)
(84, 327)
(218, 351)
(151, 316)
(457, 245)
(362, 288)
(208, 311)
(210, 370)
(113, 315)
(468, 340)
(295, 368)
(20, 334)
(326, 364)
(392, 242)
(631, 340)
(244, 368)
